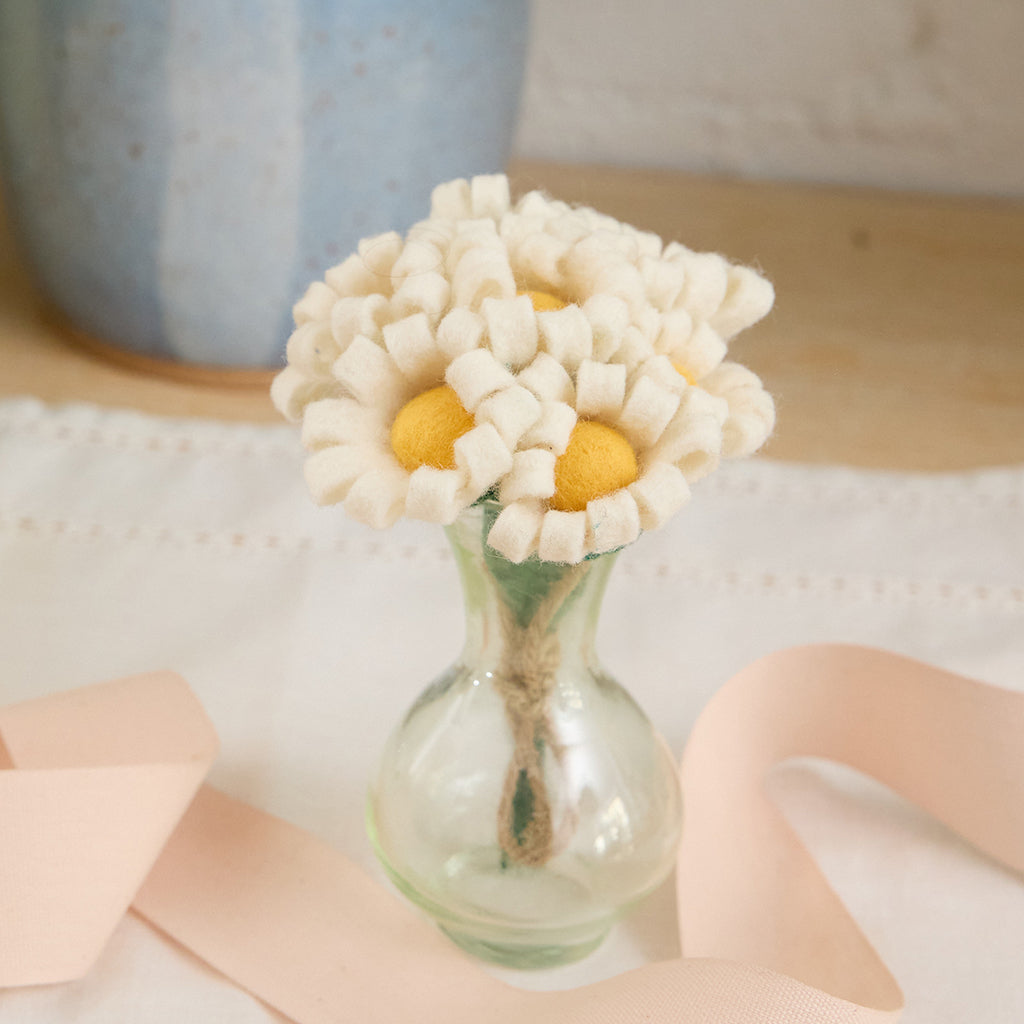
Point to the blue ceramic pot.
(178, 172)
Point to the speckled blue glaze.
(177, 173)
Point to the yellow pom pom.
(426, 429)
(545, 302)
(598, 461)
(684, 372)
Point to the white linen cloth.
(130, 543)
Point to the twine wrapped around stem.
(525, 678)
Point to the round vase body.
(525, 802)
(178, 172)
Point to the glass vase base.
(523, 957)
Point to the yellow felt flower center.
(598, 461)
(426, 429)
(684, 372)
(545, 302)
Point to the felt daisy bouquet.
(561, 366)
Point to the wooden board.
(897, 339)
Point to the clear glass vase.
(524, 801)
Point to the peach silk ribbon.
(97, 779)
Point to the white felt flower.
(610, 454)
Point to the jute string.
(524, 679)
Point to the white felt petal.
(676, 328)
(292, 391)
(312, 348)
(702, 351)
(693, 440)
(475, 375)
(333, 421)
(566, 335)
(647, 412)
(460, 331)
(600, 388)
(612, 521)
(370, 374)
(418, 256)
(748, 298)
(751, 416)
(451, 200)
(489, 195)
(539, 261)
(315, 304)
(331, 472)
(512, 411)
(548, 379)
(532, 476)
(377, 498)
(379, 254)
(511, 329)
(536, 204)
(429, 293)
(516, 530)
(634, 349)
(363, 315)
(480, 274)
(663, 281)
(435, 495)
(470, 235)
(483, 458)
(411, 344)
(707, 278)
(609, 319)
(563, 537)
(661, 370)
(553, 429)
(352, 277)
(659, 493)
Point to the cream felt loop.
(483, 458)
(566, 335)
(748, 298)
(482, 274)
(411, 344)
(700, 353)
(514, 228)
(648, 411)
(600, 388)
(539, 260)
(613, 521)
(377, 498)
(476, 375)
(419, 256)
(358, 315)
(451, 200)
(563, 537)
(429, 293)
(609, 318)
(292, 391)
(553, 429)
(312, 349)
(340, 421)
(315, 304)
(751, 409)
(331, 472)
(536, 204)
(370, 374)
(459, 332)
(516, 530)
(707, 279)
(663, 281)
(352, 277)
(662, 370)
(532, 476)
(512, 411)
(435, 495)
(489, 195)
(471, 235)
(548, 379)
(379, 253)
(660, 492)
(675, 329)
(511, 329)
(634, 349)
(693, 441)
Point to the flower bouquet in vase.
(546, 383)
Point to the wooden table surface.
(897, 339)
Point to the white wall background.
(899, 93)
